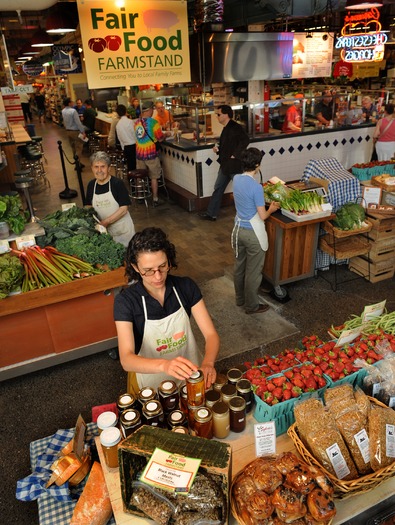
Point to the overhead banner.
(138, 43)
(312, 55)
(66, 59)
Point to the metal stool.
(24, 183)
(38, 141)
(103, 142)
(140, 187)
(94, 143)
(31, 159)
(162, 183)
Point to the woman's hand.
(210, 374)
(180, 368)
(274, 206)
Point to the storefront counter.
(9, 147)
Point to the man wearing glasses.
(232, 142)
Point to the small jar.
(191, 416)
(168, 396)
(153, 414)
(227, 392)
(196, 389)
(184, 399)
(180, 430)
(237, 414)
(106, 420)
(212, 396)
(177, 418)
(130, 421)
(109, 439)
(126, 401)
(234, 375)
(147, 394)
(244, 390)
(220, 381)
(203, 425)
(241, 367)
(221, 420)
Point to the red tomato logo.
(98, 45)
(113, 42)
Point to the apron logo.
(171, 343)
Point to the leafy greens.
(11, 274)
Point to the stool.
(38, 141)
(139, 183)
(24, 183)
(103, 142)
(32, 160)
(94, 143)
(162, 183)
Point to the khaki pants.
(76, 144)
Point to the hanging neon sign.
(361, 38)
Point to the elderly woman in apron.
(249, 237)
(110, 199)
(155, 338)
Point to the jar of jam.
(234, 375)
(106, 420)
(153, 414)
(241, 367)
(196, 389)
(168, 396)
(220, 381)
(180, 430)
(109, 439)
(191, 415)
(177, 418)
(212, 396)
(227, 392)
(203, 425)
(237, 414)
(244, 390)
(130, 421)
(184, 399)
(126, 401)
(147, 394)
(221, 419)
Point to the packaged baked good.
(362, 402)
(339, 398)
(381, 437)
(308, 413)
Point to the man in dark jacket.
(232, 142)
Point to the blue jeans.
(219, 189)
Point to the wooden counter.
(20, 136)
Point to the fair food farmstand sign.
(138, 43)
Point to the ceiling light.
(41, 39)
(355, 4)
(24, 58)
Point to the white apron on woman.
(105, 205)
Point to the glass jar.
(126, 401)
(180, 430)
(196, 389)
(153, 414)
(177, 418)
(130, 421)
(244, 390)
(191, 416)
(168, 396)
(237, 414)
(221, 420)
(220, 381)
(234, 375)
(212, 396)
(147, 394)
(106, 420)
(227, 392)
(109, 439)
(203, 425)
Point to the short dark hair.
(121, 110)
(66, 101)
(251, 159)
(226, 110)
(88, 101)
(389, 108)
(148, 240)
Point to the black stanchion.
(67, 193)
(78, 168)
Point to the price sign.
(25, 241)
(67, 206)
(265, 438)
(4, 247)
(373, 310)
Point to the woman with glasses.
(155, 338)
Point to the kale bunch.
(64, 224)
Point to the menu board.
(312, 55)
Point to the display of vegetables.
(11, 212)
(62, 224)
(11, 274)
(350, 216)
(303, 202)
(384, 322)
(275, 192)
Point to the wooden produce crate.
(345, 248)
(381, 252)
(378, 271)
(383, 226)
(135, 451)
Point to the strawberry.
(278, 393)
(324, 365)
(275, 401)
(260, 390)
(298, 382)
(296, 391)
(279, 381)
(287, 395)
(270, 387)
(289, 374)
(317, 371)
(311, 383)
(321, 382)
(306, 373)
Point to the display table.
(243, 452)
(20, 136)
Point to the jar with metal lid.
(191, 415)
(212, 396)
(234, 375)
(184, 399)
(130, 421)
(227, 392)
(106, 419)
(168, 395)
(126, 401)
(147, 394)
(220, 381)
(237, 414)
(109, 439)
(203, 425)
(177, 418)
(241, 367)
(196, 389)
(221, 419)
(180, 430)
(244, 390)
(153, 413)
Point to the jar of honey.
(168, 396)
(177, 418)
(221, 419)
(126, 401)
(237, 414)
(196, 389)
(153, 413)
(203, 425)
(109, 439)
(191, 415)
(147, 393)
(130, 421)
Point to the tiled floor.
(36, 405)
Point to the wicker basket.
(345, 248)
(340, 234)
(344, 489)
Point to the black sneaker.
(155, 204)
(206, 217)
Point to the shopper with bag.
(384, 134)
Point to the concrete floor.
(36, 405)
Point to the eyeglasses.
(163, 268)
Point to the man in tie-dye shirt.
(148, 132)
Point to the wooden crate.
(383, 226)
(376, 268)
(360, 266)
(379, 253)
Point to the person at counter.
(369, 110)
(74, 127)
(249, 237)
(162, 115)
(324, 108)
(232, 142)
(384, 134)
(293, 117)
(89, 116)
(134, 110)
(110, 199)
(126, 137)
(79, 107)
(155, 337)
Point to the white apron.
(105, 205)
(167, 338)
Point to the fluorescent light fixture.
(354, 4)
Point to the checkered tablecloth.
(55, 504)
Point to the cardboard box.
(134, 453)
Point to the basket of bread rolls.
(273, 490)
(348, 436)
